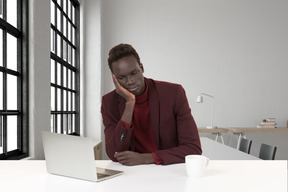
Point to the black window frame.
(65, 120)
(21, 33)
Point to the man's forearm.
(128, 112)
(131, 158)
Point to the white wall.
(91, 119)
(235, 50)
(39, 74)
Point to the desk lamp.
(200, 100)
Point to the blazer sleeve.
(117, 135)
(187, 132)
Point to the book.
(261, 126)
(268, 123)
(269, 120)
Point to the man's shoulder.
(112, 95)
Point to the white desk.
(224, 176)
(218, 151)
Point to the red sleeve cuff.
(127, 125)
(158, 160)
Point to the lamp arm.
(207, 95)
(212, 115)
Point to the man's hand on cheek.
(122, 91)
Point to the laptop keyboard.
(101, 175)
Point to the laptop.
(73, 156)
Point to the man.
(146, 121)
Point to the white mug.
(195, 165)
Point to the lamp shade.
(200, 99)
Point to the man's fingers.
(127, 158)
(120, 155)
(123, 157)
(115, 81)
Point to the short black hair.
(120, 51)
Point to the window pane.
(73, 55)
(64, 76)
(73, 123)
(69, 101)
(1, 91)
(69, 54)
(73, 14)
(64, 6)
(73, 81)
(64, 101)
(58, 99)
(12, 132)
(52, 13)
(58, 20)
(52, 99)
(58, 124)
(11, 52)
(69, 122)
(69, 79)
(1, 14)
(64, 26)
(64, 50)
(12, 12)
(11, 92)
(58, 74)
(52, 40)
(52, 122)
(73, 102)
(73, 36)
(1, 134)
(69, 31)
(64, 123)
(69, 9)
(59, 45)
(1, 47)
(52, 71)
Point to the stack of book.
(267, 123)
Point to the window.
(65, 66)
(13, 79)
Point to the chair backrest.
(245, 145)
(267, 152)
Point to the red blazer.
(174, 129)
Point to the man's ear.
(142, 68)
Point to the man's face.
(129, 74)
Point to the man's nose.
(129, 80)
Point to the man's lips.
(132, 89)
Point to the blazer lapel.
(154, 105)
